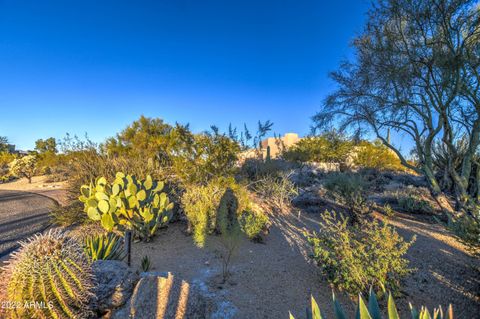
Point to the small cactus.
(49, 277)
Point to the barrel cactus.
(127, 204)
(372, 310)
(48, 277)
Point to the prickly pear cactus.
(127, 203)
(49, 277)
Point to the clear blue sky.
(95, 66)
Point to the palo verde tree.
(417, 72)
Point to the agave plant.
(104, 247)
(48, 277)
(127, 204)
(372, 310)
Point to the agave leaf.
(338, 310)
(362, 310)
(414, 312)
(290, 315)
(392, 309)
(315, 309)
(373, 307)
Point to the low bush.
(253, 222)
(349, 190)
(24, 167)
(200, 204)
(276, 189)
(355, 258)
(377, 156)
(53, 271)
(466, 228)
(329, 147)
(414, 200)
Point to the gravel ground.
(276, 277)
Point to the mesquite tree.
(416, 72)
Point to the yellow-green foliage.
(378, 156)
(24, 167)
(52, 271)
(372, 310)
(253, 221)
(200, 204)
(5, 160)
(127, 203)
(188, 157)
(329, 147)
(355, 258)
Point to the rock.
(115, 282)
(164, 297)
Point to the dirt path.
(273, 278)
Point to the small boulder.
(164, 297)
(115, 282)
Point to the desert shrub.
(127, 204)
(253, 222)
(69, 215)
(24, 167)
(349, 190)
(254, 169)
(189, 157)
(277, 190)
(413, 200)
(355, 258)
(53, 271)
(372, 310)
(467, 228)
(104, 247)
(329, 147)
(200, 204)
(376, 155)
(5, 160)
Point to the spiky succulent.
(127, 203)
(372, 310)
(104, 247)
(48, 277)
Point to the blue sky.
(95, 66)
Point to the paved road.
(22, 214)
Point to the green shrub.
(200, 204)
(145, 265)
(253, 222)
(349, 190)
(355, 258)
(330, 147)
(372, 310)
(412, 200)
(277, 190)
(376, 155)
(467, 228)
(127, 203)
(104, 247)
(53, 271)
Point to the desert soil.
(272, 278)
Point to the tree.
(46, 146)
(24, 167)
(417, 71)
(3, 144)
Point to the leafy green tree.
(48, 145)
